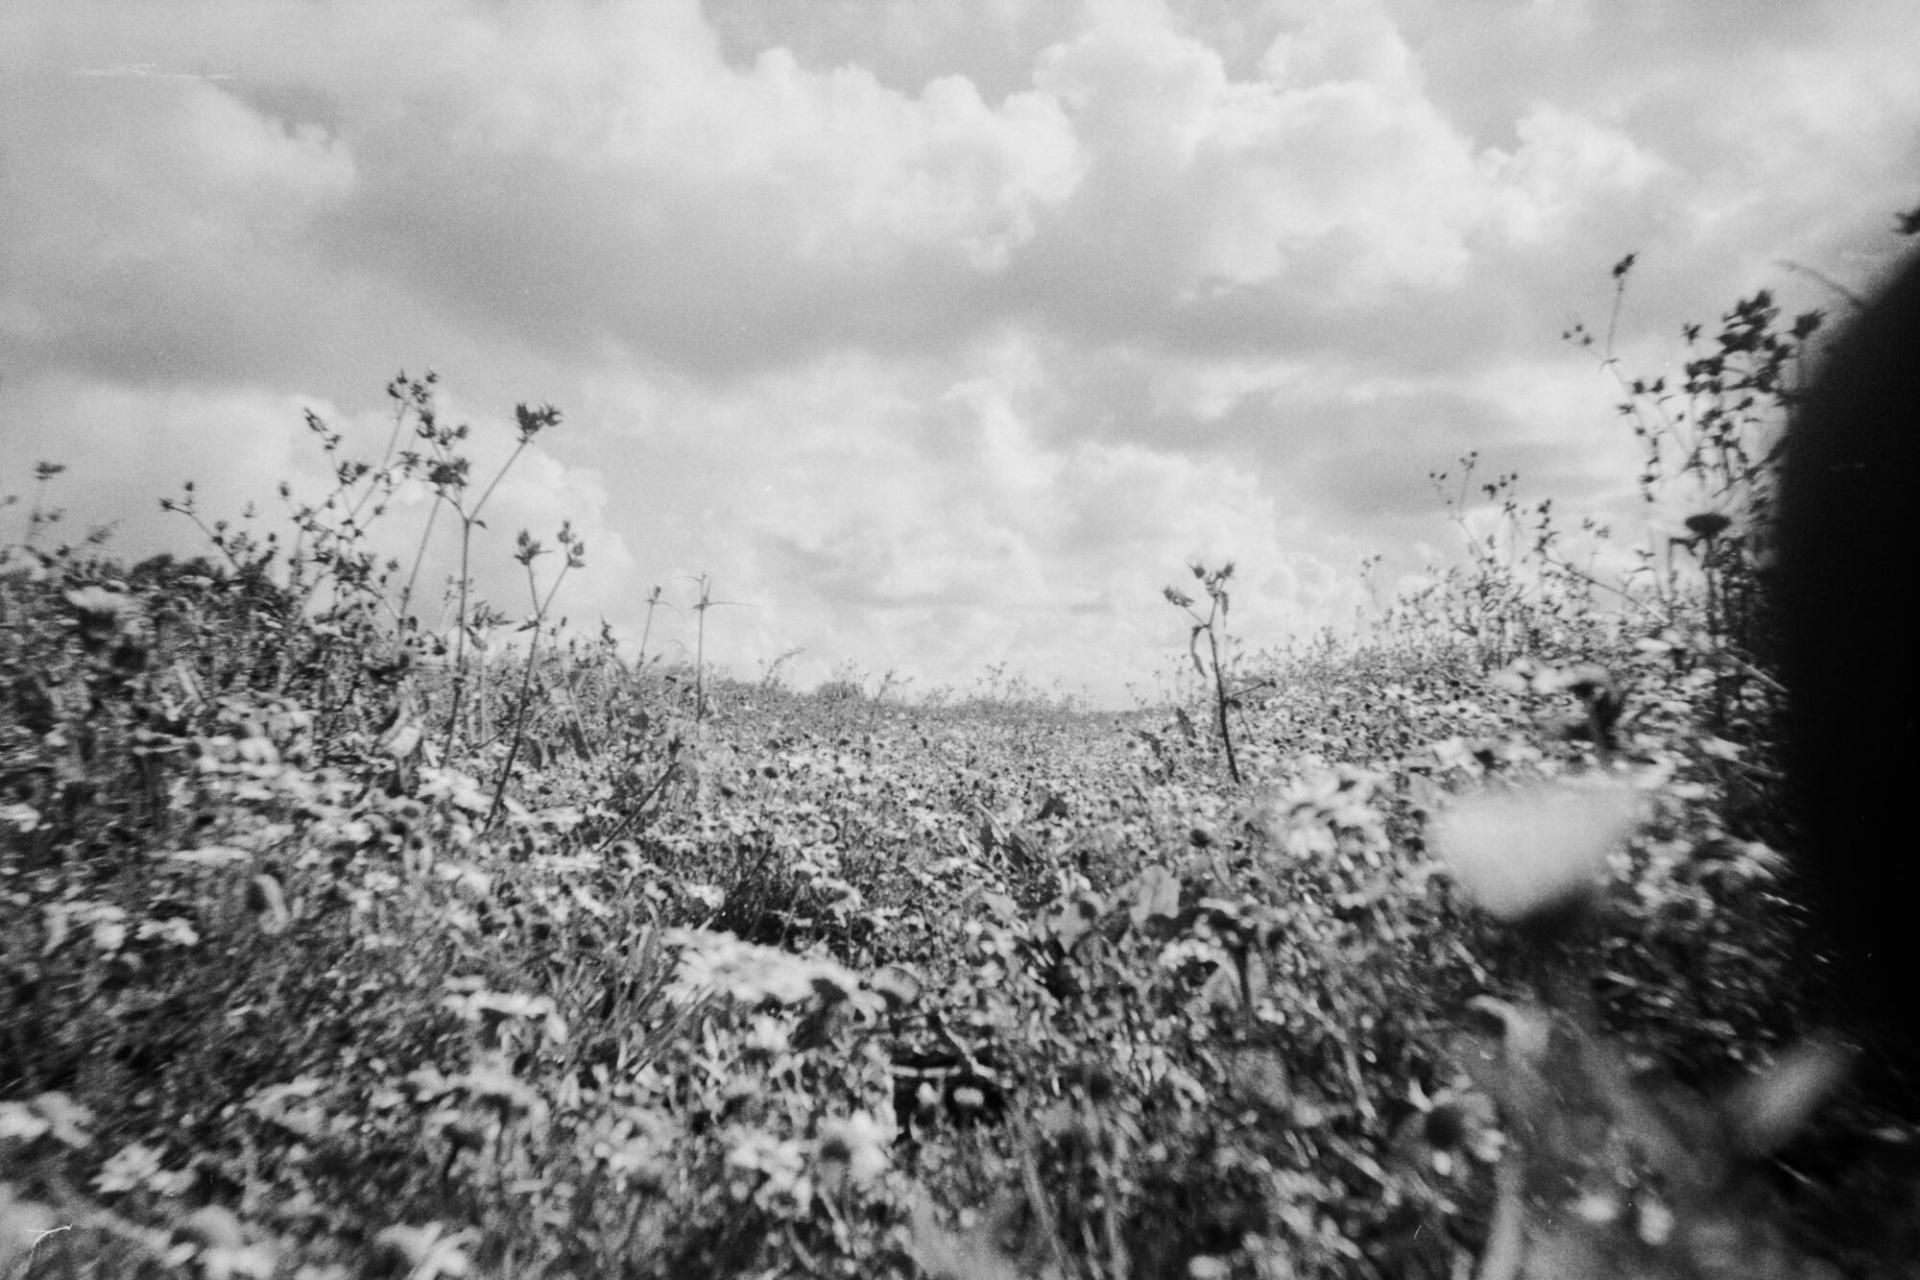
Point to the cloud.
(628, 187)
(845, 517)
(157, 222)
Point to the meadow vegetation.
(333, 943)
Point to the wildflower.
(781, 1164)
(23, 818)
(450, 784)
(172, 930)
(430, 1251)
(1522, 853)
(749, 973)
(101, 613)
(109, 927)
(54, 1113)
(494, 1084)
(136, 1166)
(855, 1148)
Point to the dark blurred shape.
(1848, 615)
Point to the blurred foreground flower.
(1539, 849)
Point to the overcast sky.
(938, 333)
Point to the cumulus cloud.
(152, 219)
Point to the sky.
(934, 336)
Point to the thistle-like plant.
(1212, 625)
(447, 472)
(646, 631)
(528, 550)
(700, 607)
